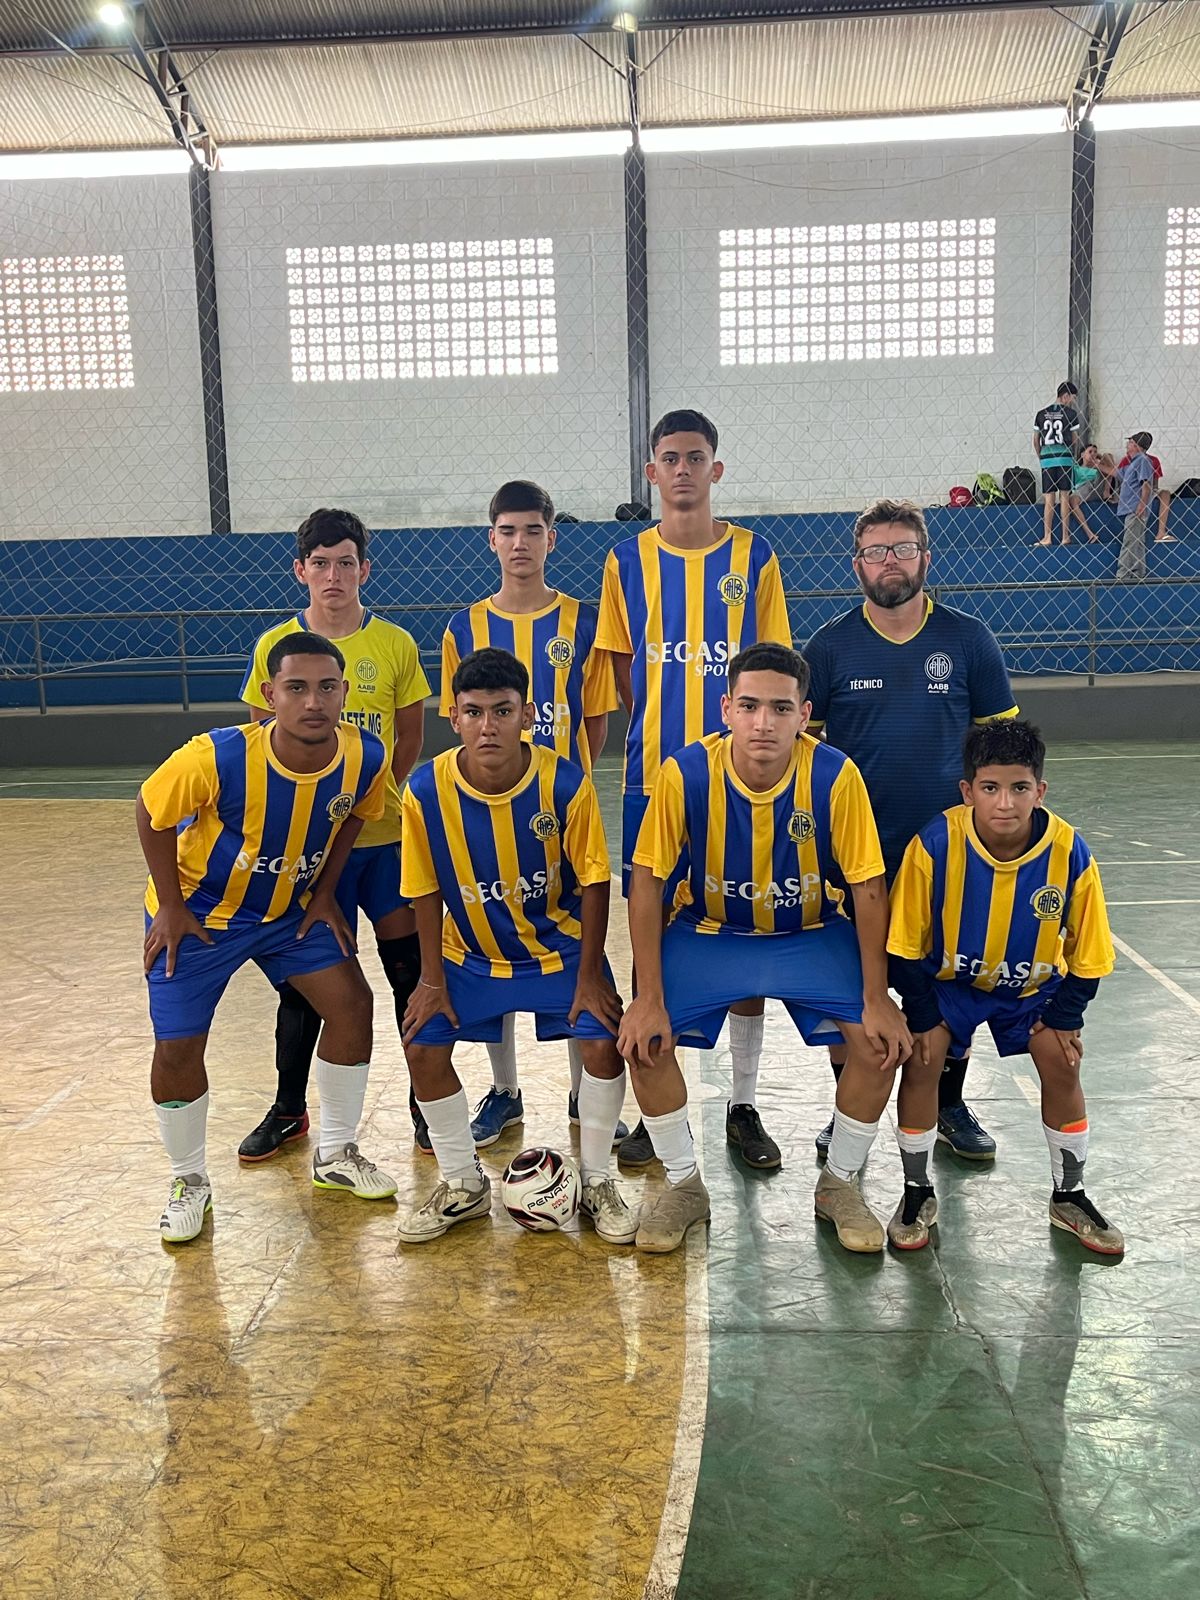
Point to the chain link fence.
(857, 322)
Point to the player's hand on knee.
(931, 1048)
(1066, 1044)
(599, 996)
(428, 1000)
(645, 1032)
(169, 927)
(887, 1031)
(324, 908)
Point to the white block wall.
(834, 435)
(1138, 382)
(110, 461)
(404, 452)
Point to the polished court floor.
(291, 1407)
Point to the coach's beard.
(892, 595)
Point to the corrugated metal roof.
(1159, 57)
(860, 65)
(369, 91)
(77, 103)
(864, 67)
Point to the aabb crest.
(801, 826)
(544, 824)
(733, 589)
(1048, 902)
(366, 671)
(560, 652)
(338, 808)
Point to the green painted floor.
(1002, 1416)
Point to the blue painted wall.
(421, 574)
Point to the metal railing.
(187, 662)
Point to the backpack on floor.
(960, 495)
(987, 492)
(1020, 486)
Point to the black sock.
(297, 1028)
(950, 1084)
(401, 960)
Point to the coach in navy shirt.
(896, 683)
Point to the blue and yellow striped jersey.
(760, 862)
(569, 679)
(509, 867)
(383, 676)
(682, 615)
(999, 925)
(257, 833)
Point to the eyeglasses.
(876, 554)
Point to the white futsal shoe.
(188, 1204)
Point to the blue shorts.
(816, 973)
(633, 809)
(183, 1005)
(1010, 1018)
(481, 1004)
(371, 879)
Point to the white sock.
(850, 1145)
(1068, 1152)
(745, 1046)
(450, 1133)
(600, 1102)
(342, 1090)
(575, 1057)
(503, 1057)
(673, 1144)
(182, 1130)
(916, 1146)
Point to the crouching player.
(998, 916)
(765, 815)
(505, 838)
(274, 810)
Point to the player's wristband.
(436, 987)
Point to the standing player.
(678, 602)
(386, 695)
(1056, 431)
(896, 683)
(505, 839)
(764, 817)
(272, 810)
(572, 689)
(998, 916)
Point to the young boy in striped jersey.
(271, 813)
(507, 869)
(998, 916)
(678, 602)
(572, 689)
(764, 817)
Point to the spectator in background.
(1056, 431)
(1164, 498)
(1137, 486)
(1092, 478)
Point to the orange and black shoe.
(275, 1130)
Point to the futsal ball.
(540, 1189)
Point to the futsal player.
(572, 689)
(1056, 437)
(386, 696)
(507, 869)
(270, 812)
(678, 602)
(896, 684)
(998, 916)
(763, 818)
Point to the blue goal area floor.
(293, 1406)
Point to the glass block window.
(64, 324)
(449, 309)
(859, 291)
(1181, 291)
